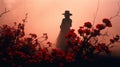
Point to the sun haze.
(45, 16)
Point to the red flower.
(107, 22)
(81, 31)
(49, 58)
(95, 32)
(45, 36)
(107, 50)
(102, 44)
(70, 57)
(49, 44)
(99, 48)
(70, 34)
(21, 54)
(87, 31)
(33, 35)
(117, 37)
(88, 24)
(74, 42)
(112, 41)
(58, 53)
(76, 48)
(100, 26)
(72, 30)
(44, 50)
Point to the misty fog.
(45, 16)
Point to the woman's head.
(67, 14)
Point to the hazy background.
(44, 16)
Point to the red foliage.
(95, 32)
(107, 22)
(100, 26)
(81, 31)
(70, 57)
(88, 24)
(70, 34)
(17, 49)
(117, 37)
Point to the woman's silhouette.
(65, 27)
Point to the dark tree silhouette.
(65, 27)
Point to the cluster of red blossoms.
(18, 50)
(87, 44)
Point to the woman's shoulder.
(64, 19)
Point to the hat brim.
(67, 14)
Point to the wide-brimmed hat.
(67, 13)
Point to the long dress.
(65, 27)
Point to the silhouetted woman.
(65, 27)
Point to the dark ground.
(101, 62)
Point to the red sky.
(44, 16)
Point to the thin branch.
(25, 19)
(96, 40)
(6, 11)
(98, 3)
(103, 36)
(117, 13)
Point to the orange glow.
(45, 16)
